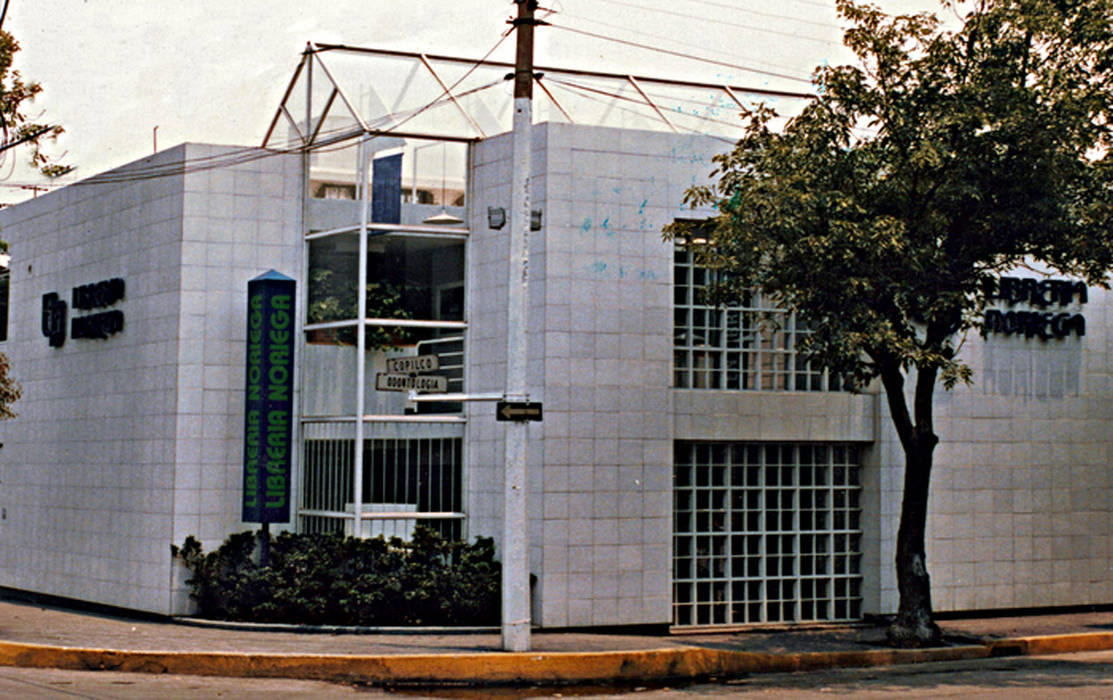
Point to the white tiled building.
(125, 445)
(690, 469)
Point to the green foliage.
(15, 125)
(331, 579)
(885, 211)
(332, 297)
(17, 128)
(10, 390)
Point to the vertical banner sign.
(269, 399)
(386, 190)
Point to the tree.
(884, 214)
(9, 389)
(16, 127)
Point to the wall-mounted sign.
(98, 294)
(87, 297)
(433, 384)
(402, 374)
(99, 325)
(54, 319)
(518, 411)
(1039, 294)
(414, 364)
(269, 399)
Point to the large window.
(406, 482)
(385, 330)
(752, 345)
(409, 276)
(766, 532)
(414, 302)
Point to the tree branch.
(893, 381)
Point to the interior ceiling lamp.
(444, 218)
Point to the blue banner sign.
(268, 410)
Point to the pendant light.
(444, 218)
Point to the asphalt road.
(1080, 675)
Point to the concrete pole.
(515, 524)
(364, 195)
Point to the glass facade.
(385, 232)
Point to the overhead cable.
(671, 39)
(680, 54)
(736, 8)
(750, 27)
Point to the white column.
(515, 527)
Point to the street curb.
(1052, 644)
(554, 668)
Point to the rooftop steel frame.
(340, 92)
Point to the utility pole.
(515, 523)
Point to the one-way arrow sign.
(518, 411)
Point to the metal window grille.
(450, 351)
(405, 482)
(766, 532)
(750, 346)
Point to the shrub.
(330, 579)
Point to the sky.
(215, 71)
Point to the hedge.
(330, 579)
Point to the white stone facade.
(126, 445)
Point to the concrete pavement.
(33, 635)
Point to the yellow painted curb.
(1052, 644)
(474, 668)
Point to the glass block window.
(750, 346)
(766, 533)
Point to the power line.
(679, 54)
(448, 90)
(725, 6)
(391, 123)
(671, 39)
(587, 92)
(249, 154)
(739, 25)
(718, 20)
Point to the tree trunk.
(914, 625)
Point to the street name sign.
(414, 364)
(518, 411)
(407, 382)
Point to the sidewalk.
(34, 635)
